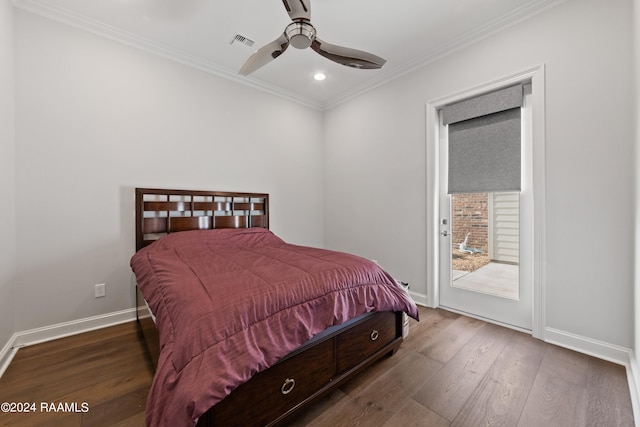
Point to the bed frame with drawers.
(306, 374)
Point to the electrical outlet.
(100, 290)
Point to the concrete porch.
(495, 278)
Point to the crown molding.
(42, 8)
(508, 20)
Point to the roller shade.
(484, 142)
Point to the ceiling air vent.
(242, 39)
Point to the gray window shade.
(484, 142)
(482, 105)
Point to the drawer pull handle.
(288, 386)
(374, 335)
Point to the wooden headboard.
(160, 212)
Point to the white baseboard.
(61, 330)
(633, 377)
(599, 349)
(420, 299)
(7, 353)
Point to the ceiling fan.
(301, 35)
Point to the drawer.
(364, 339)
(278, 389)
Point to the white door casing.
(534, 204)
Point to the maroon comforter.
(230, 303)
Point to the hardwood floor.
(451, 371)
(108, 369)
(457, 371)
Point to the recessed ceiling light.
(319, 76)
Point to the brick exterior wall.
(470, 213)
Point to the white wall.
(7, 173)
(636, 26)
(375, 191)
(96, 119)
(91, 112)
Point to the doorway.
(491, 268)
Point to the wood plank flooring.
(457, 371)
(108, 369)
(451, 371)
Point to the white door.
(474, 279)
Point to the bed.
(242, 327)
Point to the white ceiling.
(407, 33)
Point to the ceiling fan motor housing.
(300, 34)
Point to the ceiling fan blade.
(265, 54)
(298, 9)
(346, 56)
